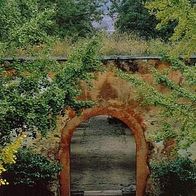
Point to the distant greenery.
(74, 18)
(35, 22)
(132, 16)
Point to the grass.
(115, 44)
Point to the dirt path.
(102, 156)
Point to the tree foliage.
(74, 18)
(176, 107)
(183, 12)
(132, 16)
(31, 169)
(23, 22)
(30, 22)
(181, 98)
(33, 93)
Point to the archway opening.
(103, 156)
(131, 119)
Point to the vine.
(174, 109)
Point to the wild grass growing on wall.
(111, 44)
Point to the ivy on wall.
(33, 93)
(174, 105)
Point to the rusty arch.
(130, 119)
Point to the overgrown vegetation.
(31, 169)
(174, 177)
(115, 44)
(34, 93)
(174, 105)
(183, 12)
(133, 16)
(177, 105)
(7, 156)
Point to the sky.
(107, 22)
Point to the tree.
(132, 16)
(75, 17)
(32, 95)
(23, 23)
(33, 22)
(177, 106)
(183, 12)
(181, 100)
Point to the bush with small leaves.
(174, 177)
(31, 169)
(7, 156)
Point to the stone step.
(105, 193)
(77, 193)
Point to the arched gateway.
(124, 114)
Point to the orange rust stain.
(148, 78)
(176, 77)
(162, 66)
(71, 113)
(169, 145)
(107, 92)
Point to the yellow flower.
(7, 156)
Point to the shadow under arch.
(124, 114)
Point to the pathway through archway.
(126, 115)
(103, 154)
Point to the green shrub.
(31, 169)
(174, 177)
